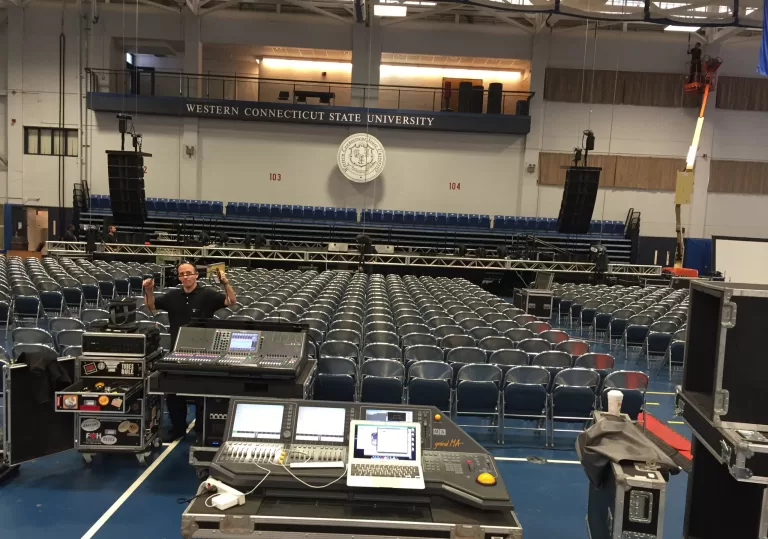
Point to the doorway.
(37, 228)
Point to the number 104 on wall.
(453, 186)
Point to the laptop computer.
(385, 455)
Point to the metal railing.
(249, 88)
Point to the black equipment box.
(534, 301)
(743, 453)
(630, 504)
(717, 506)
(725, 367)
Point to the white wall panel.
(237, 159)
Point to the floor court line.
(136, 484)
(676, 422)
(658, 393)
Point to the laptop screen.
(385, 442)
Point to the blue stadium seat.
(430, 218)
(442, 218)
(262, 210)
(388, 215)
(318, 212)
(510, 222)
(242, 209)
(420, 217)
(351, 214)
(172, 205)
(618, 227)
(498, 221)
(367, 215)
(474, 219)
(274, 210)
(378, 215)
(150, 204)
(205, 206)
(398, 216)
(285, 211)
(194, 206)
(330, 213)
(452, 219)
(307, 213)
(183, 205)
(462, 219)
(247, 209)
(551, 224)
(594, 227)
(231, 208)
(339, 214)
(484, 221)
(297, 212)
(409, 217)
(217, 207)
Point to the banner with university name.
(310, 114)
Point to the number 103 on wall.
(275, 177)
(453, 186)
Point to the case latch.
(728, 314)
(725, 452)
(722, 399)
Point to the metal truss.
(307, 256)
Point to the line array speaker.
(578, 202)
(126, 186)
(477, 99)
(465, 96)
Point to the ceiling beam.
(505, 19)
(217, 7)
(309, 7)
(420, 15)
(193, 6)
(721, 34)
(169, 9)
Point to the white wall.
(237, 158)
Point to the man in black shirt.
(184, 304)
(69, 233)
(111, 236)
(695, 53)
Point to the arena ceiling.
(733, 16)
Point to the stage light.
(462, 250)
(480, 252)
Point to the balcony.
(471, 109)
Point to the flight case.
(534, 301)
(725, 368)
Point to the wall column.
(366, 62)
(190, 183)
(13, 190)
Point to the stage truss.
(77, 249)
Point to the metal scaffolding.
(75, 249)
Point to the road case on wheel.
(533, 301)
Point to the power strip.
(227, 496)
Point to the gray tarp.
(614, 439)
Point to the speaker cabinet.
(126, 186)
(578, 203)
(494, 98)
(477, 99)
(522, 108)
(465, 97)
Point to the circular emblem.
(90, 425)
(361, 157)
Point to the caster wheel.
(142, 458)
(156, 442)
(202, 473)
(88, 458)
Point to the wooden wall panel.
(563, 84)
(652, 173)
(738, 177)
(552, 173)
(742, 93)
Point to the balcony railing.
(343, 94)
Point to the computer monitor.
(320, 424)
(543, 280)
(388, 415)
(244, 342)
(374, 440)
(257, 421)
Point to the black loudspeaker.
(522, 108)
(126, 187)
(578, 202)
(494, 98)
(477, 99)
(465, 96)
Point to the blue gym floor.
(62, 497)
